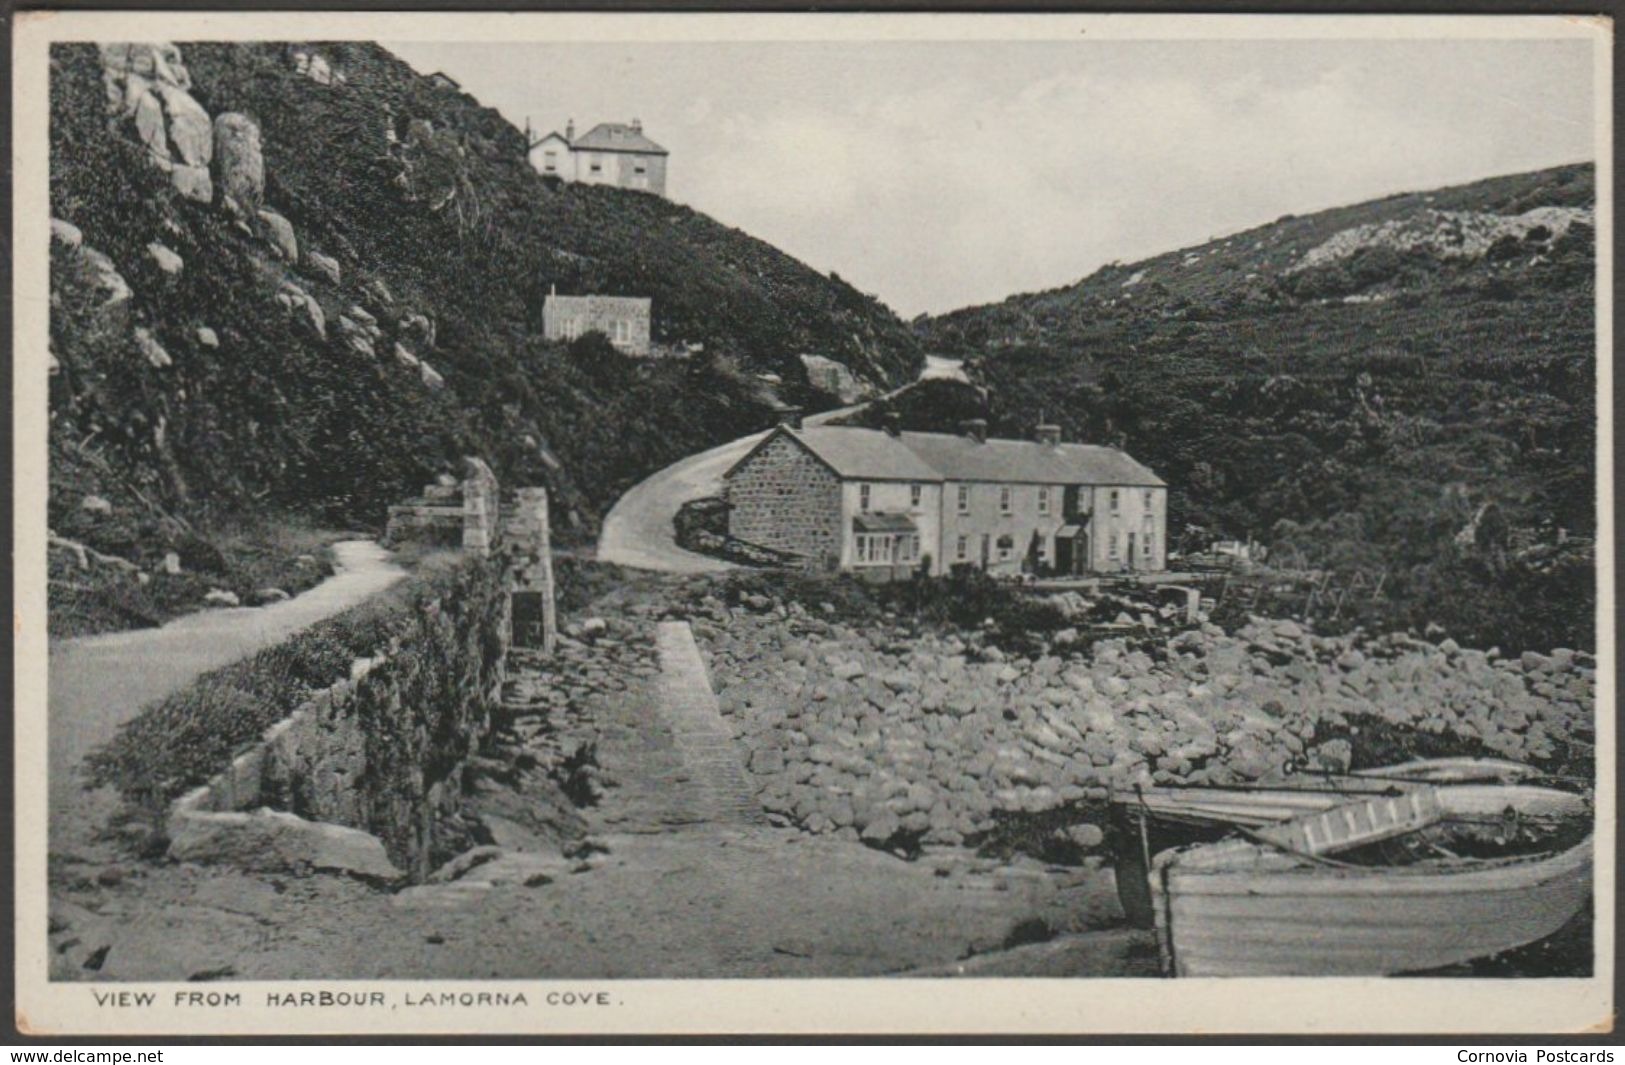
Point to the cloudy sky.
(940, 174)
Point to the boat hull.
(1237, 909)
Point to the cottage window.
(1007, 547)
(1115, 500)
(1111, 545)
(596, 167)
(1005, 499)
(908, 548)
(915, 491)
(639, 168)
(963, 550)
(1148, 499)
(1148, 538)
(863, 498)
(623, 331)
(1043, 500)
(551, 161)
(964, 499)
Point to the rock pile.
(548, 701)
(884, 733)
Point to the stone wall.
(786, 499)
(383, 751)
(528, 554)
(481, 507)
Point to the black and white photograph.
(521, 518)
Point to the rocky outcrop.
(96, 272)
(835, 378)
(356, 336)
(431, 377)
(151, 349)
(165, 259)
(149, 85)
(273, 841)
(66, 235)
(278, 231)
(303, 305)
(191, 133)
(325, 265)
(193, 182)
(1448, 234)
(880, 732)
(239, 160)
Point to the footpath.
(684, 879)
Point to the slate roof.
(616, 137)
(864, 454)
(875, 455)
(960, 458)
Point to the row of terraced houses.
(885, 503)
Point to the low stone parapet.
(376, 757)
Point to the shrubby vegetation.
(183, 740)
(1366, 434)
(450, 241)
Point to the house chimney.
(1047, 434)
(892, 423)
(976, 429)
(790, 417)
(637, 125)
(570, 131)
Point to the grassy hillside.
(207, 396)
(1352, 386)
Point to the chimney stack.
(976, 429)
(637, 125)
(892, 423)
(1048, 434)
(570, 131)
(790, 417)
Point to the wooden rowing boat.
(1243, 908)
(1262, 804)
(1151, 819)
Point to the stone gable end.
(785, 498)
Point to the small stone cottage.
(886, 503)
(623, 319)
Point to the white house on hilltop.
(611, 153)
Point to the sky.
(941, 174)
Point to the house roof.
(875, 455)
(868, 454)
(852, 454)
(616, 137)
(960, 458)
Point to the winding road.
(96, 683)
(638, 529)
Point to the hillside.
(297, 281)
(1352, 387)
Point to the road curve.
(96, 683)
(638, 531)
